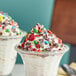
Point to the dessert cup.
(42, 64)
(8, 53)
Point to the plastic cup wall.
(7, 55)
(41, 66)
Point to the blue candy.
(45, 32)
(13, 27)
(5, 14)
(46, 42)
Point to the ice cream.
(10, 35)
(8, 27)
(41, 52)
(40, 39)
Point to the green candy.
(17, 33)
(41, 46)
(29, 32)
(42, 29)
(35, 30)
(20, 33)
(35, 42)
(25, 38)
(50, 43)
(44, 50)
(7, 30)
(60, 46)
(3, 17)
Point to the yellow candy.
(1, 18)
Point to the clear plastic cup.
(42, 64)
(8, 53)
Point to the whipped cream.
(40, 39)
(8, 27)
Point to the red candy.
(59, 49)
(31, 37)
(30, 46)
(19, 46)
(12, 23)
(36, 35)
(39, 30)
(37, 24)
(49, 32)
(59, 41)
(0, 25)
(37, 46)
(32, 31)
(3, 27)
(26, 39)
(53, 44)
(34, 49)
(22, 45)
(26, 34)
(38, 27)
(1, 12)
(39, 50)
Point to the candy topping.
(34, 49)
(31, 37)
(35, 42)
(35, 31)
(49, 32)
(8, 26)
(0, 25)
(41, 40)
(7, 30)
(37, 46)
(39, 50)
(1, 18)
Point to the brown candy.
(56, 45)
(41, 40)
(48, 49)
(14, 30)
(40, 34)
(45, 36)
(28, 44)
(0, 33)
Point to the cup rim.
(13, 37)
(66, 48)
